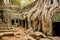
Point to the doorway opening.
(16, 21)
(12, 22)
(56, 28)
(23, 23)
(1, 16)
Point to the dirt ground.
(23, 34)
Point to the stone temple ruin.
(9, 17)
(7, 11)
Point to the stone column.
(25, 24)
(18, 23)
(8, 20)
(15, 22)
(22, 23)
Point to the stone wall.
(56, 17)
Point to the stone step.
(5, 30)
(2, 25)
(2, 28)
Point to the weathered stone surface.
(39, 34)
(45, 39)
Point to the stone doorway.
(56, 28)
(12, 22)
(16, 21)
(1, 16)
(22, 23)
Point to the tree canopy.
(22, 2)
(16, 2)
(26, 2)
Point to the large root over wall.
(45, 8)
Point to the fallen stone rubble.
(37, 36)
(29, 34)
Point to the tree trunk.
(45, 9)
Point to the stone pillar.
(18, 22)
(22, 23)
(29, 24)
(26, 24)
(15, 22)
(34, 25)
(8, 20)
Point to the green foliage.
(22, 2)
(26, 2)
(16, 2)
